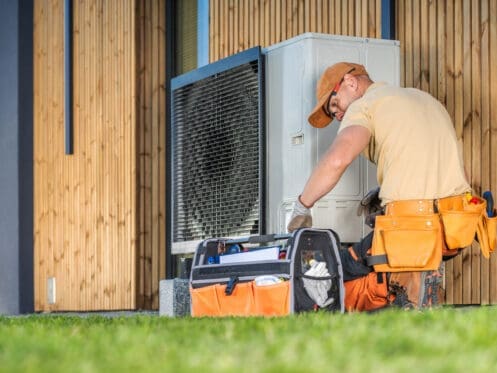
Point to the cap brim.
(318, 118)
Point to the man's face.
(341, 97)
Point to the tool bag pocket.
(246, 299)
(460, 220)
(487, 233)
(212, 300)
(407, 243)
(204, 301)
(272, 300)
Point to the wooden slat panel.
(337, 17)
(408, 49)
(87, 240)
(424, 46)
(238, 25)
(351, 18)
(326, 16)
(442, 53)
(161, 154)
(357, 18)
(151, 141)
(400, 30)
(432, 52)
(320, 17)
(416, 45)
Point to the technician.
(410, 137)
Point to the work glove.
(317, 288)
(370, 206)
(301, 217)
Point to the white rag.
(317, 288)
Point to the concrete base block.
(174, 297)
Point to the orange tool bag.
(271, 275)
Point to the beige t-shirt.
(413, 143)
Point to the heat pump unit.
(242, 148)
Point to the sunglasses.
(334, 93)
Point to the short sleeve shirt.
(413, 143)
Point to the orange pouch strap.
(460, 220)
(406, 243)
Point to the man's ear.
(351, 81)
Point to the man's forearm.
(322, 180)
(347, 146)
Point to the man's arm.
(348, 144)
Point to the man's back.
(413, 143)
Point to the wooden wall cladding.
(236, 25)
(151, 125)
(99, 213)
(447, 48)
(85, 203)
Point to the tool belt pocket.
(460, 220)
(406, 243)
(486, 233)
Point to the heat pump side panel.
(294, 147)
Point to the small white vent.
(51, 291)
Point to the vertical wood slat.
(408, 49)
(150, 127)
(352, 9)
(400, 34)
(416, 50)
(337, 18)
(432, 51)
(424, 46)
(162, 143)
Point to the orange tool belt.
(414, 234)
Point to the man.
(409, 136)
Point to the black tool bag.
(271, 275)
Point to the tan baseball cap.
(328, 81)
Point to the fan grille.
(216, 155)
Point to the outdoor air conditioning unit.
(242, 146)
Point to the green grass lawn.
(441, 340)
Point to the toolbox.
(269, 275)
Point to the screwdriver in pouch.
(487, 196)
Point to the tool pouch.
(486, 232)
(406, 243)
(460, 220)
(246, 299)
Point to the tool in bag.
(270, 275)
